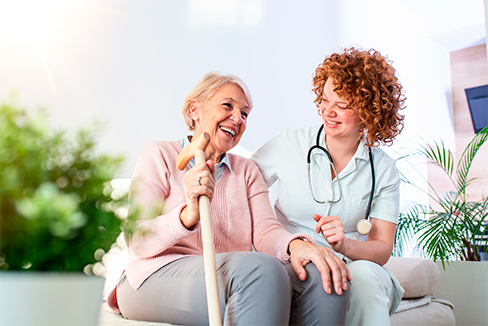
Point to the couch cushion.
(418, 277)
(434, 313)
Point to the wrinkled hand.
(190, 215)
(332, 269)
(332, 230)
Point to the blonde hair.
(206, 87)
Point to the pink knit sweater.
(240, 209)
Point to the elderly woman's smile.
(224, 117)
(230, 131)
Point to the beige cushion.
(418, 277)
(435, 313)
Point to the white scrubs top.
(284, 158)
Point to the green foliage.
(454, 227)
(56, 202)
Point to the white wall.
(131, 63)
(418, 36)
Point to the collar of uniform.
(223, 162)
(362, 152)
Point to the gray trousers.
(254, 289)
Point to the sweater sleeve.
(269, 236)
(156, 229)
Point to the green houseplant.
(58, 209)
(453, 226)
(450, 229)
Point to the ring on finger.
(198, 181)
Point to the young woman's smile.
(339, 120)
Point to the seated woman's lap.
(372, 294)
(370, 277)
(254, 288)
(311, 305)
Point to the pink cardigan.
(240, 209)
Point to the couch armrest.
(418, 277)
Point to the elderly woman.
(164, 277)
(334, 175)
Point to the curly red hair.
(367, 81)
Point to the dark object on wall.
(478, 106)
(482, 236)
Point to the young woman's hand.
(190, 215)
(332, 269)
(332, 230)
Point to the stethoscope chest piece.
(364, 226)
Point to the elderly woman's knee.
(314, 283)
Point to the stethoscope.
(364, 225)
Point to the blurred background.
(130, 64)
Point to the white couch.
(419, 277)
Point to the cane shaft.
(213, 301)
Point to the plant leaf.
(467, 158)
(440, 155)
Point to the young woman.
(333, 176)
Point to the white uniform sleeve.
(386, 202)
(269, 157)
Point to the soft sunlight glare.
(224, 13)
(29, 20)
(43, 44)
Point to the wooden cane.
(197, 149)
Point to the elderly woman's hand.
(329, 265)
(190, 215)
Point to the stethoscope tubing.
(329, 157)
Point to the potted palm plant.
(453, 226)
(58, 218)
(452, 229)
